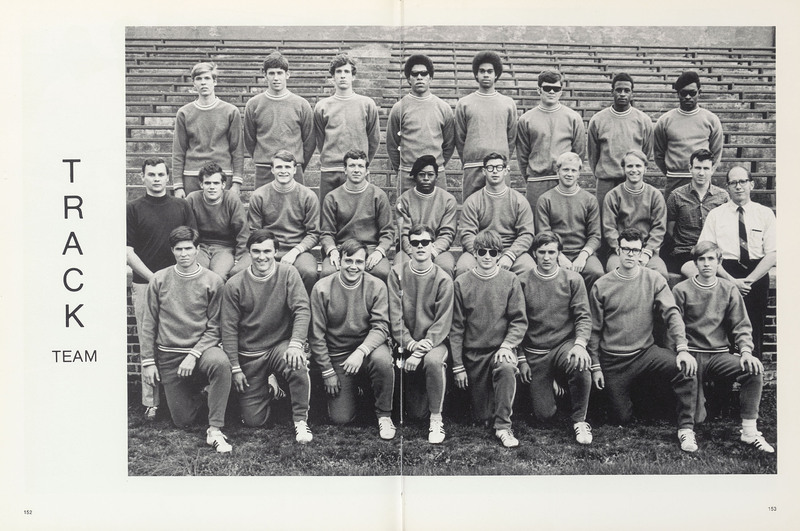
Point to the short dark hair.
(631, 234)
(183, 234)
(703, 247)
(494, 155)
(276, 60)
(210, 168)
(341, 60)
(418, 59)
(424, 160)
(351, 246)
(153, 162)
(686, 78)
(488, 239)
(355, 154)
(549, 76)
(285, 155)
(545, 237)
(419, 228)
(259, 236)
(487, 56)
(621, 76)
(205, 67)
(701, 155)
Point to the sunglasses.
(550, 88)
(492, 252)
(419, 243)
(422, 73)
(685, 93)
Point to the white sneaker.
(758, 442)
(507, 438)
(436, 432)
(583, 432)
(217, 440)
(687, 439)
(150, 413)
(302, 433)
(386, 428)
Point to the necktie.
(744, 253)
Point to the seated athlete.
(559, 328)
(501, 209)
(421, 312)
(349, 328)
(221, 221)
(636, 204)
(180, 337)
(357, 209)
(265, 316)
(713, 310)
(431, 205)
(488, 325)
(622, 346)
(290, 211)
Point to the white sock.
(436, 416)
(749, 428)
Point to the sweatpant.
(726, 368)
(535, 189)
(381, 270)
(184, 396)
(621, 372)
(328, 181)
(756, 302)
(378, 371)
(150, 395)
(255, 400)
(492, 387)
(423, 388)
(604, 186)
(591, 271)
(264, 175)
(545, 368)
(218, 258)
(521, 265)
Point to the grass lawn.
(645, 447)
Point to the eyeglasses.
(494, 167)
(741, 183)
(419, 243)
(492, 252)
(428, 174)
(685, 93)
(421, 73)
(630, 250)
(550, 88)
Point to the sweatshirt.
(507, 212)
(260, 312)
(420, 126)
(291, 215)
(426, 309)
(347, 318)
(222, 223)
(643, 209)
(342, 124)
(488, 313)
(272, 123)
(678, 134)
(485, 123)
(207, 134)
(182, 312)
(437, 210)
(611, 134)
(543, 135)
(574, 217)
(364, 215)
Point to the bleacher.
(738, 84)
